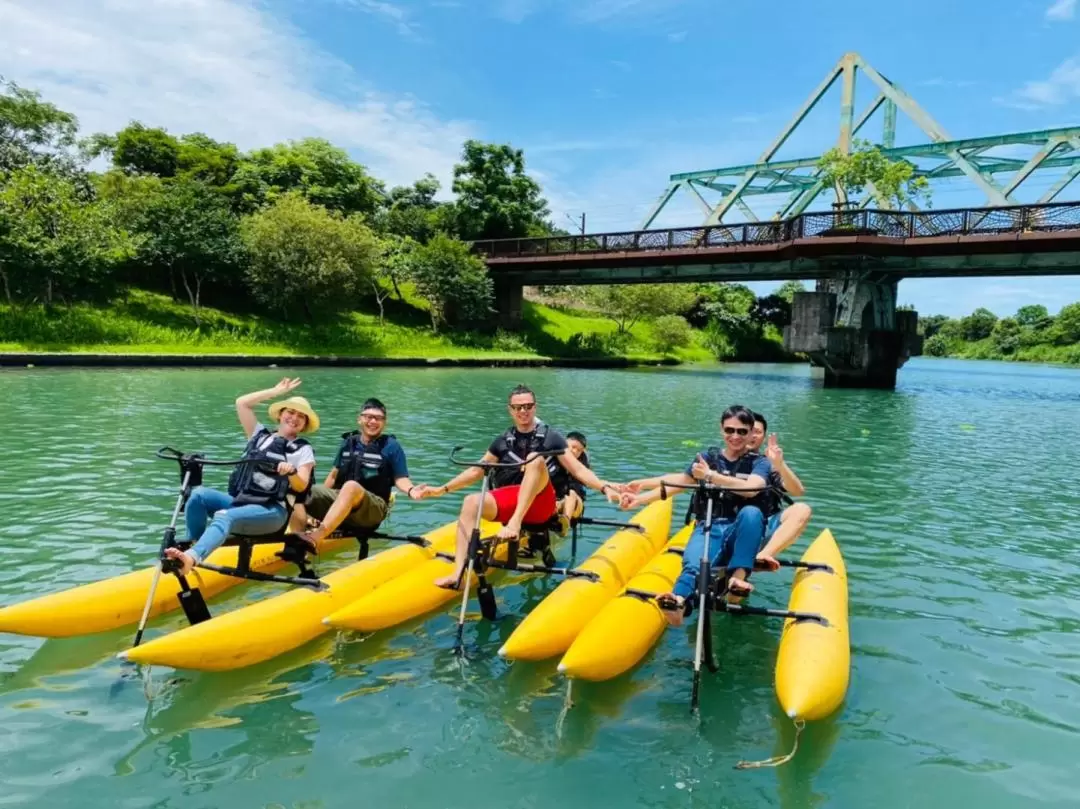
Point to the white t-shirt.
(305, 455)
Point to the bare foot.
(449, 582)
(737, 590)
(511, 530)
(187, 561)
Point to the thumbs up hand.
(699, 469)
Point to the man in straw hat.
(261, 496)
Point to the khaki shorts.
(369, 514)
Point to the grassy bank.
(150, 323)
(989, 349)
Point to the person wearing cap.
(356, 493)
(261, 496)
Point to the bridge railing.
(893, 224)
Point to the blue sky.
(606, 97)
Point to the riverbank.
(147, 328)
(132, 360)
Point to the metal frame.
(801, 180)
(1058, 216)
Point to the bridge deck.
(1018, 240)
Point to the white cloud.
(1061, 10)
(677, 36)
(400, 17)
(1062, 86)
(223, 67)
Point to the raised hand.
(699, 469)
(773, 451)
(286, 385)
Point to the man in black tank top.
(783, 525)
(523, 495)
(738, 529)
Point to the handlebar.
(495, 465)
(171, 454)
(705, 487)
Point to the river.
(953, 500)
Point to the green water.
(959, 535)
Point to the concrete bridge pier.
(509, 297)
(850, 328)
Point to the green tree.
(321, 172)
(1034, 316)
(1006, 335)
(626, 304)
(788, 289)
(189, 231)
(496, 199)
(139, 149)
(54, 244)
(892, 182)
(303, 257)
(32, 130)
(670, 332)
(394, 265)
(936, 346)
(1067, 324)
(453, 281)
(978, 325)
(412, 210)
(929, 325)
(771, 309)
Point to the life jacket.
(563, 482)
(366, 464)
(726, 504)
(514, 450)
(773, 498)
(259, 483)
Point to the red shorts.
(540, 510)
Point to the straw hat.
(299, 404)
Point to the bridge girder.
(942, 157)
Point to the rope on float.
(775, 761)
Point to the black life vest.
(726, 504)
(259, 483)
(773, 498)
(563, 481)
(515, 450)
(366, 464)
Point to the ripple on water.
(962, 578)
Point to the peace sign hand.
(286, 385)
(773, 451)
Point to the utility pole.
(582, 221)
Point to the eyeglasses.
(736, 430)
(523, 407)
(372, 417)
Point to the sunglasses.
(736, 430)
(372, 417)
(522, 407)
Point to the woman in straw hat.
(259, 500)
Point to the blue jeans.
(772, 524)
(733, 545)
(250, 519)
